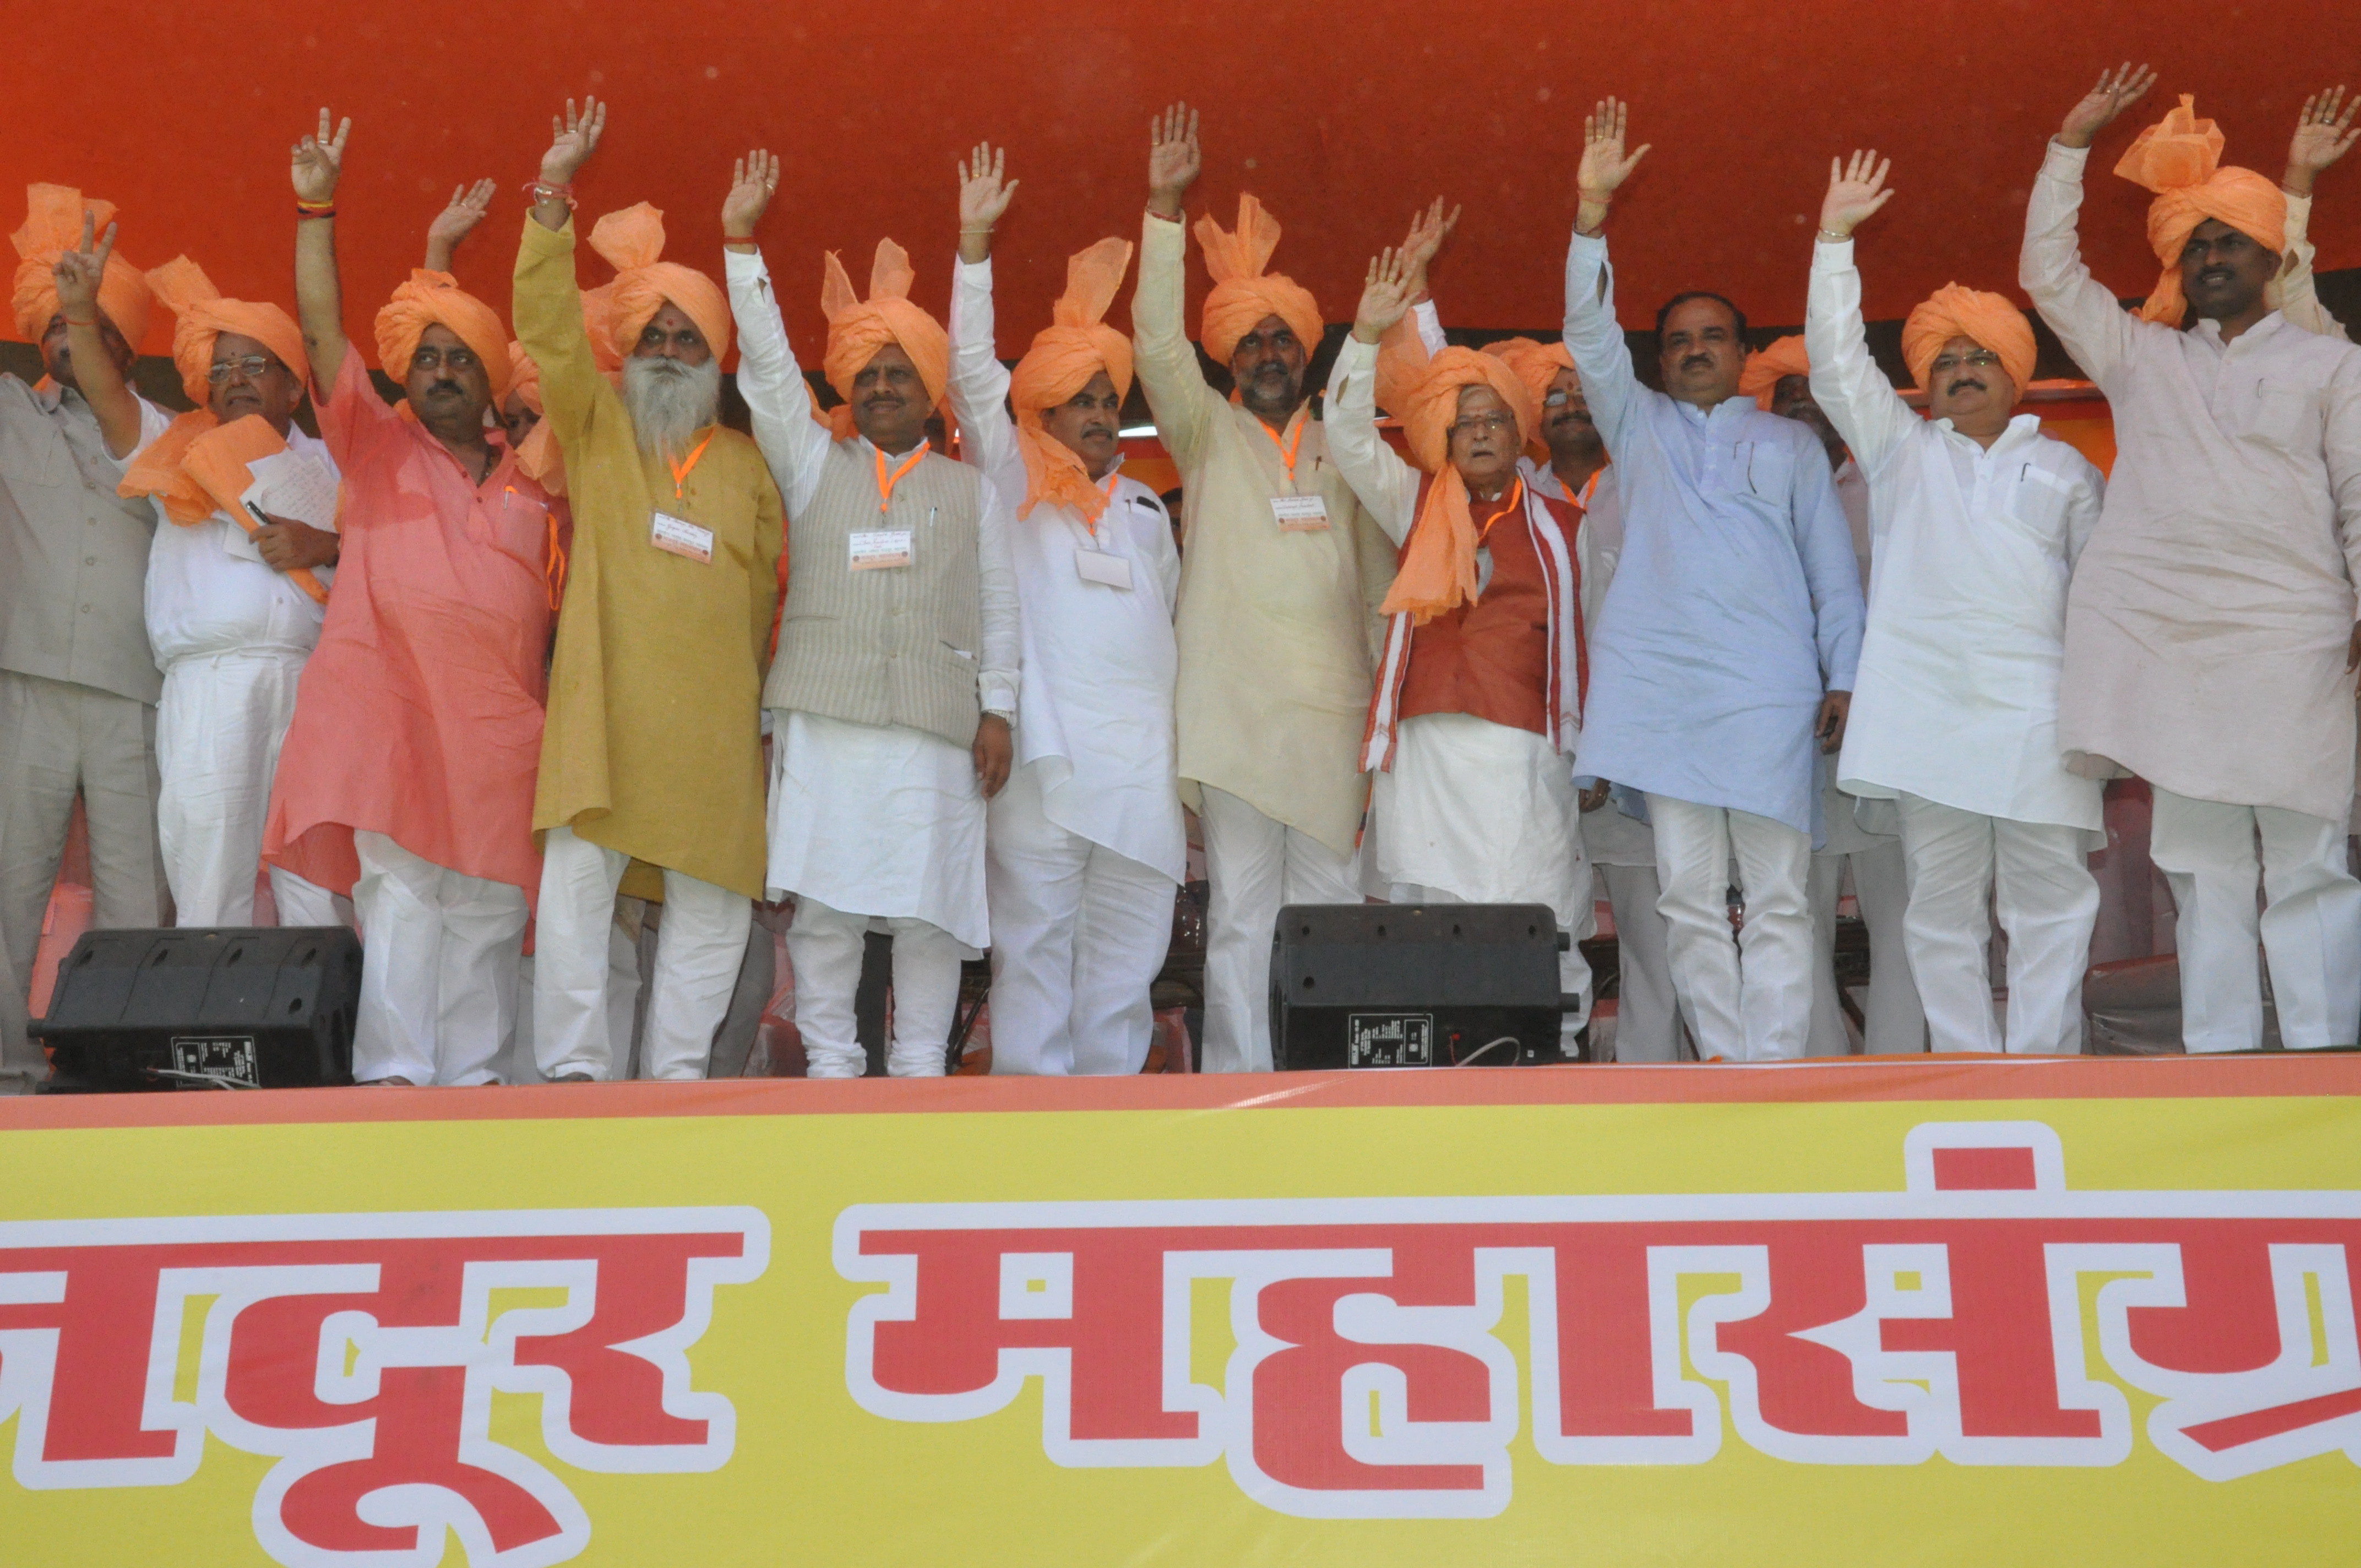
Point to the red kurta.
(420, 713)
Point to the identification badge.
(1299, 514)
(874, 549)
(682, 537)
(1099, 566)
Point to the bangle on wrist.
(1832, 237)
(1593, 199)
(542, 190)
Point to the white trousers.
(1893, 1023)
(824, 945)
(1078, 934)
(1966, 868)
(1748, 1000)
(1647, 1019)
(439, 953)
(218, 728)
(2309, 928)
(1255, 865)
(700, 944)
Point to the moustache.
(444, 388)
(1698, 361)
(1964, 382)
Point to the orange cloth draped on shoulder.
(1767, 368)
(2180, 159)
(1537, 365)
(436, 299)
(1243, 291)
(1438, 563)
(1990, 319)
(1065, 355)
(53, 215)
(858, 328)
(632, 241)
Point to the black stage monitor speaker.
(1414, 985)
(239, 1008)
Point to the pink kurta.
(419, 716)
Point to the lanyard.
(1287, 450)
(1516, 497)
(885, 482)
(680, 471)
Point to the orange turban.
(537, 453)
(1438, 566)
(1242, 292)
(1990, 319)
(633, 241)
(53, 226)
(205, 315)
(858, 329)
(435, 298)
(1766, 369)
(2180, 159)
(1077, 345)
(1537, 366)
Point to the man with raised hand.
(2210, 639)
(406, 778)
(1086, 843)
(1281, 570)
(78, 682)
(1979, 520)
(1727, 643)
(899, 658)
(2325, 133)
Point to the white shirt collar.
(2211, 331)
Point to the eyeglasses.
(427, 358)
(1485, 424)
(1975, 359)
(251, 367)
(1557, 400)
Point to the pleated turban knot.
(436, 299)
(1065, 355)
(1536, 364)
(2180, 159)
(1438, 566)
(1990, 319)
(53, 217)
(1242, 292)
(1767, 368)
(203, 315)
(632, 241)
(857, 329)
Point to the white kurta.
(1098, 662)
(2207, 625)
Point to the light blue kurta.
(1736, 604)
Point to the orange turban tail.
(436, 299)
(1242, 292)
(205, 315)
(2180, 159)
(537, 453)
(1766, 369)
(857, 330)
(1952, 311)
(1438, 565)
(633, 241)
(53, 226)
(1063, 358)
(1537, 366)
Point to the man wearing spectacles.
(1980, 520)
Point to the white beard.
(670, 401)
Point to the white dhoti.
(2309, 928)
(1750, 999)
(439, 953)
(1255, 865)
(218, 725)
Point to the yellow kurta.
(653, 742)
(1275, 628)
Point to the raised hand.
(2118, 89)
(1385, 298)
(1856, 190)
(572, 140)
(983, 196)
(79, 271)
(317, 162)
(1174, 158)
(455, 221)
(1605, 165)
(1428, 230)
(2325, 132)
(753, 179)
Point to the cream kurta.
(654, 742)
(1275, 627)
(2207, 625)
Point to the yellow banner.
(2092, 1312)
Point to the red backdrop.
(1339, 116)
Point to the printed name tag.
(682, 537)
(879, 547)
(1098, 566)
(1299, 514)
